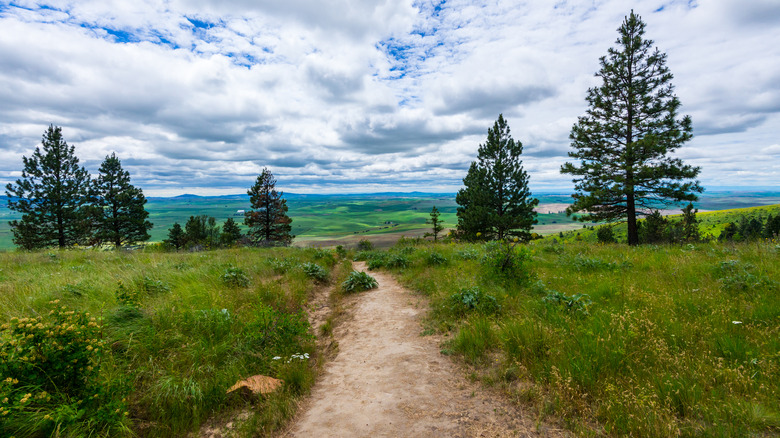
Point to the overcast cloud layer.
(197, 96)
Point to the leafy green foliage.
(574, 303)
(496, 202)
(234, 276)
(435, 258)
(51, 380)
(473, 300)
(365, 245)
(622, 144)
(315, 272)
(358, 282)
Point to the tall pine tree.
(623, 141)
(496, 202)
(268, 222)
(122, 218)
(51, 195)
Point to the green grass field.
(656, 341)
(166, 335)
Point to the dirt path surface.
(387, 380)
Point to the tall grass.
(644, 341)
(180, 328)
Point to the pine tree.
(268, 221)
(436, 224)
(176, 237)
(623, 140)
(51, 195)
(230, 232)
(122, 218)
(496, 202)
(690, 225)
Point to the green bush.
(435, 259)
(605, 234)
(154, 286)
(473, 300)
(50, 369)
(575, 303)
(236, 277)
(365, 245)
(397, 261)
(507, 259)
(358, 281)
(315, 272)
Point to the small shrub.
(340, 251)
(435, 259)
(605, 234)
(376, 263)
(473, 299)
(358, 281)
(365, 245)
(576, 303)
(315, 272)
(507, 259)
(126, 298)
(740, 277)
(397, 261)
(154, 286)
(50, 369)
(468, 254)
(236, 277)
(281, 266)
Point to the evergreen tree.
(230, 232)
(196, 231)
(623, 141)
(122, 217)
(176, 236)
(690, 225)
(268, 221)
(436, 224)
(653, 228)
(496, 202)
(51, 195)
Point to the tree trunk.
(633, 235)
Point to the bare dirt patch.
(388, 380)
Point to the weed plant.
(626, 341)
(170, 334)
(358, 282)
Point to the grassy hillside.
(648, 341)
(165, 335)
(711, 223)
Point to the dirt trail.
(387, 380)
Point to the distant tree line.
(268, 223)
(751, 228)
(63, 206)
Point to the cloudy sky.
(346, 96)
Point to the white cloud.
(357, 95)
